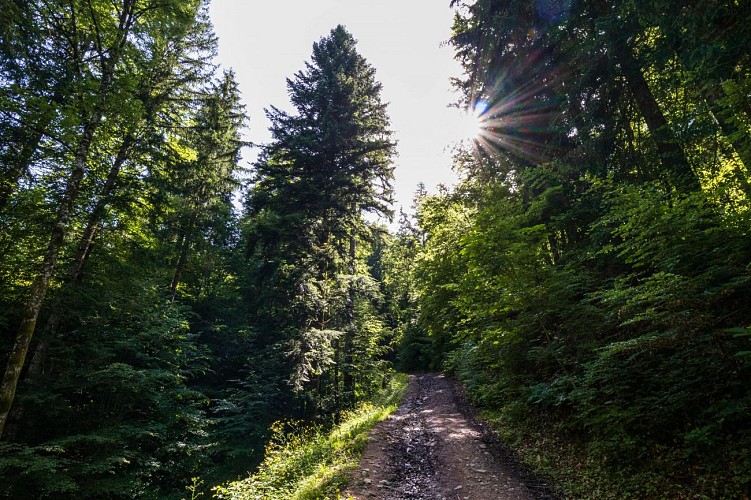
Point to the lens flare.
(469, 124)
(480, 108)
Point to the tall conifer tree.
(328, 163)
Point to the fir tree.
(328, 163)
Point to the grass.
(313, 463)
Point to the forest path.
(429, 449)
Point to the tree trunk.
(39, 357)
(671, 154)
(668, 147)
(42, 281)
(19, 165)
(712, 93)
(181, 260)
(349, 331)
(335, 384)
(97, 215)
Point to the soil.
(433, 448)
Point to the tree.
(170, 78)
(573, 57)
(35, 87)
(328, 163)
(111, 385)
(202, 172)
(96, 41)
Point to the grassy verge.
(313, 463)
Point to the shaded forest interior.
(588, 280)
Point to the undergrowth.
(578, 469)
(310, 462)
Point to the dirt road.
(429, 450)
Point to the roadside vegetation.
(304, 462)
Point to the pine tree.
(202, 183)
(328, 163)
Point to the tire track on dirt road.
(428, 449)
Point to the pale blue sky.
(266, 42)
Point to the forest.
(166, 308)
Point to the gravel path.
(429, 450)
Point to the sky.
(266, 42)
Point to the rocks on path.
(429, 450)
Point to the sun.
(469, 124)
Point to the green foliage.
(309, 289)
(742, 333)
(588, 281)
(124, 179)
(443, 220)
(115, 418)
(394, 266)
(626, 352)
(305, 462)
